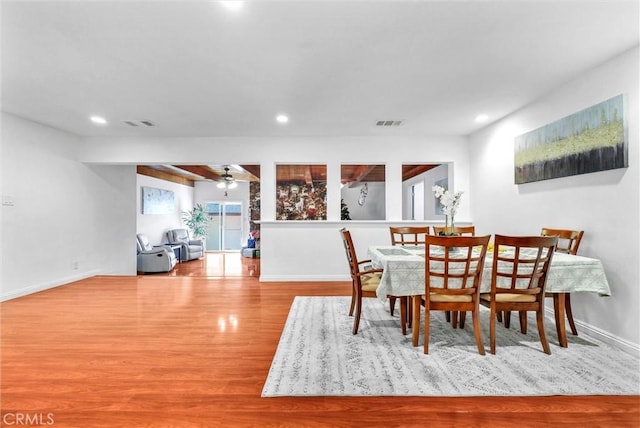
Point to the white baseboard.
(624, 345)
(608, 338)
(47, 285)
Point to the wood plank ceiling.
(189, 174)
(350, 174)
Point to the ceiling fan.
(228, 182)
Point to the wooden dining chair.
(364, 279)
(364, 282)
(409, 235)
(460, 230)
(453, 275)
(518, 279)
(568, 242)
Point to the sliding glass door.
(225, 229)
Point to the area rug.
(318, 356)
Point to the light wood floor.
(193, 348)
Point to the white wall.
(391, 151)
(604, 204)
(307, 250)
(69, 220)
(155, 226)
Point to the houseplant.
(344, 211)
(197, 220)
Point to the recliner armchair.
(154, 259)
(191, 248)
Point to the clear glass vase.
(449, 227)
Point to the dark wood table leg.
(403, 314)
(558, 308)
(415, 324)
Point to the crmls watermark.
(27, 418)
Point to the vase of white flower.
(450, 203)
(449, 226)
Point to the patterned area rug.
(317, 355)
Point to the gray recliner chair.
(154, 259)
(191, 248)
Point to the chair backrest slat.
(568, 240)
(454, 264)
(521, 263)
(460, 230)
(409, 235)
(350, 252)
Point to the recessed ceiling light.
(232, 4)
(98, 120)
(482, 118)
(282, 118)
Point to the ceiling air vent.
(387, 123)
(139, 123)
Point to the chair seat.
(370, 282)
(434, 297)
(509, 297)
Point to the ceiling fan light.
(233, 185)
(221, 185)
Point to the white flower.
(449, 201)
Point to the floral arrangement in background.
(449, 201)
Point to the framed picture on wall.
(591, 140)
(158, 201)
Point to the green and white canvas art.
(591, 140)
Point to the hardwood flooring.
(192, 349)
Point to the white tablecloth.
(404, 268)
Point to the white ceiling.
(335, 67)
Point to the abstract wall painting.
(157, 201)
(591, 140)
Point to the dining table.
(403, 274)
